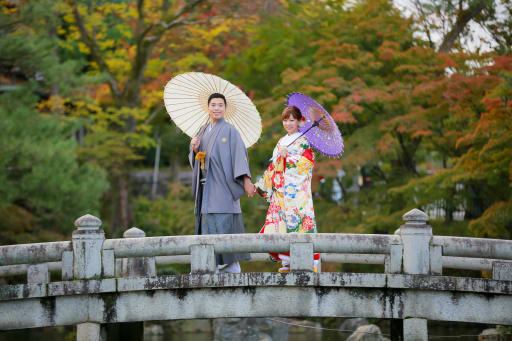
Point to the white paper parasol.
(186, 101)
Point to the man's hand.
(195, 144)
(249, 188)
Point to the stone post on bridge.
(87, 242)
(137, 266)
(416, 237)
(132, 267)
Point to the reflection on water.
(68, 333)
(40, 334)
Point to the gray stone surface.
(81, 287)
(157, 305)
(415, 216)
(301, 256)
(490, 334)
(436, 260)
(88, 294)
(248, 329)
(202, 259)
(429, 284)
(33, 253)
(475, 247)
(368, 332)
(502, 270)
(87, 243)
(234, 243)
(415, 329)
(347, 327)
(38, 273)
(416, 238)
(153, 329)
(67, 265)
(108, 261)
(88, 332)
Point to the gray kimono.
(217, 204)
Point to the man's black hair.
(217, 95)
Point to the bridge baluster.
(87, 242)
(436, 260)
(416, 237)
(301, 256)
(67, 265)
(38, 273)
(129, 267)
(137, 266)
(502, 271)
(393, 262)
(202, 259)
(87, 264)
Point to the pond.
(464, 331)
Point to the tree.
(43, 188)
(447, 24)
(137, 46)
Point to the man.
(220, 176)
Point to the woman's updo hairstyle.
(291, 110)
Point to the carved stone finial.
(415, 217)
(134, 233)
(88, 222)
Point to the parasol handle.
(202, 128)
(315, 124)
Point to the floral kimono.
(289, 190)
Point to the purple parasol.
(319, 128)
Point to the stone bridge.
(108, 281)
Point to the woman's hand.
(283, 151)
(195, 144)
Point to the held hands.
(283, 151)
(249, 188)
(194, 143)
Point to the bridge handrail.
(228, 243)
(474, 247)
(449, 262)
(479, 248)
(33, 253)
(233, 243)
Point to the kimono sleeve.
(264, 183)
(239, 159)
(191, 157)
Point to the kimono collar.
(221, 121)
(287, 139)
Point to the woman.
(287, 186)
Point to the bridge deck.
(256, 294)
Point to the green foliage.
(173, 215)
(41, 183)
(420, 126)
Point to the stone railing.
(91, 259)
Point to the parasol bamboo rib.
(186, 96)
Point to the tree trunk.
(463, 18)
(175, 169)
(154, 185)
(124, 209)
